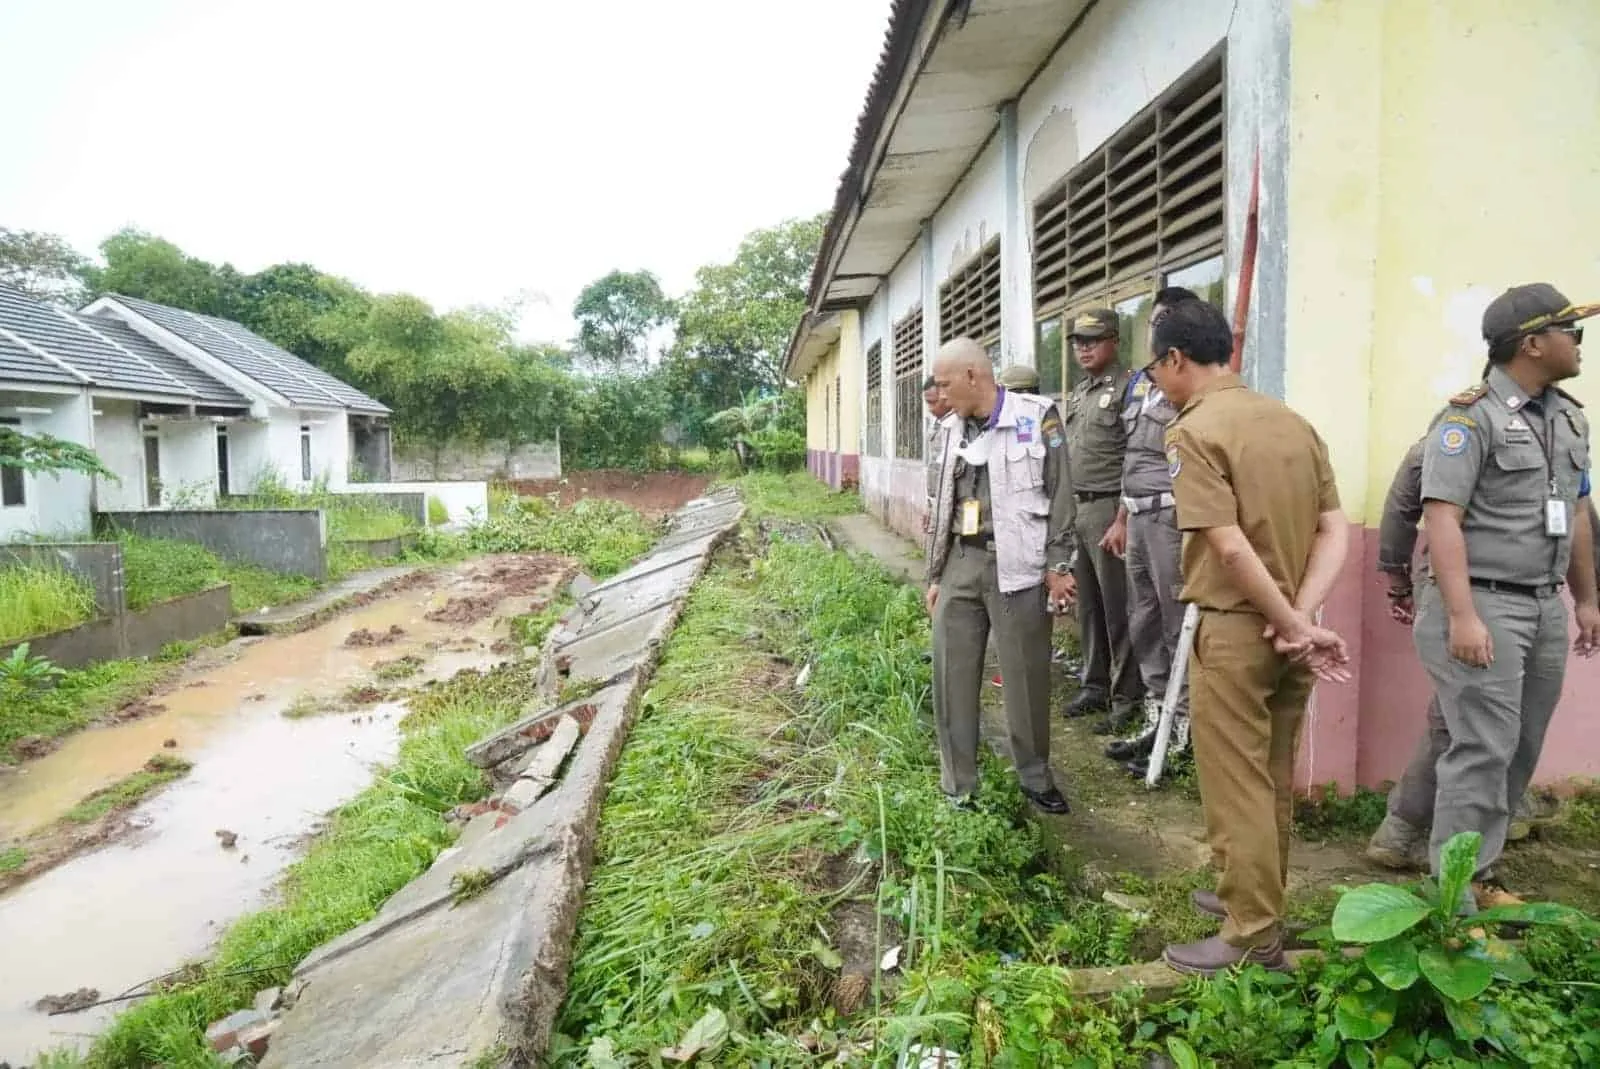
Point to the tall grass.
(605, 535)
(384, 838)
(156, 569)
(795, 496)
(38, 600)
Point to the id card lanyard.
(1555, 509)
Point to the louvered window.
(969, 300)
(908, 385)
(872, 435)
(1148, 200)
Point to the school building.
(1401, 163)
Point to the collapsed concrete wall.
(439, 979)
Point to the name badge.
(970, 517)
(1555, 518)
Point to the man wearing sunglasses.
(1505, 467)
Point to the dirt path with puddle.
(160, 886)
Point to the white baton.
(1175, 685)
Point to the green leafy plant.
(24, 672)
(39, 600)
(438, 514)
(1423, 956)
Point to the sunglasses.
(1575, 332)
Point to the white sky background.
(466, 151)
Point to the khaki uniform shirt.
(1096, 438)
(1146, 414)
(1501, 456)
(1242, 459)
(1402, 511)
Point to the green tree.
(736, 321)
(43, 266)
(301, 309)
(142, 265)
(45, 454)
(616, 314)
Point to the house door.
(152, 467)
(222, 462)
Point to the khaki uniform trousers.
(1247, 704)
(1495, 717)
(970, 604)
(1108, 663)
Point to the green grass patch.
(399, 668)
(438, 513)
(12, 858)
(77, 697)
(795, 496)
(127, 792)
(157, 569)
(1331, 815)
(605, 535)
(351, 517)
(531, 629)
(373, 846)
(39, 600)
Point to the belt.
(1095, 495)
(983, 542)
(1529, 590)
(1136, 505)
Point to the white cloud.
(465, 152)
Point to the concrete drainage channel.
(467, 965)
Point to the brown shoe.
(1212, 956)
(1208, 903)
(1489, 896)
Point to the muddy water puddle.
(141, 906)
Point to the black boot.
(1177, 747)
(1088, 700)
(1120, 719)
(1139, 744)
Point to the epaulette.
(1568, 396)
(1470, 396)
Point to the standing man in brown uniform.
(1096, 441)
(1264, 539)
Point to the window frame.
(872, 426)
(13, 479)
(908, 361)
(150, 449)
(969, 299)
(305, 452)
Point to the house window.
(13, 483)
(1143, 211)
(838, 413)
(908, 386)
(222, 461)
(969, 301)
(827, 416)
(152, 467)
(872, 435)
(305, 454)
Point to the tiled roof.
(251, 355)
(63, 336)
(18, 363)
(207, 389)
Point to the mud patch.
(138, 710)
(655, 494)
(31, 746)
(364, 695)
(362, 638)
(503, 577)
(80, 999)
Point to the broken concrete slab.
(300, 615)
(544, 767)
(656, 561)
(581, 585)
(633, 643)
(532, 730)
(648, 592)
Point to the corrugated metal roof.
(205, 387)
(256, 358)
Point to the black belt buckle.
(978, 542)
(1527, 590)
(1093, 495)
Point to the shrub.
(780, 450)
(36, 601)
(438, 515)
(605, 535)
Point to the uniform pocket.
(1025, 463)
(1522, 468)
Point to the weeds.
(793, 497)
(604, 535)
(373, 846)
(533, 628)
(397, 669)
(77, 698)
(12, 858)
(36, 601)
(468, 884)
(1337, 816)
(158, 569)
(130, 790)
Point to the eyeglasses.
(1575, 332)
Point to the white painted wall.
(117, 440)
(55, 505)
(973, 215)
(330, 450)
(468, 502)
(188, 464)
(249, 455)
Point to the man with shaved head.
(1000, 554)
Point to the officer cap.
(1529, 309)
(1094, 324)
(1019, 377)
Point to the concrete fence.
(287, 541)
(489, 462)
(134, 634)
(98, 564)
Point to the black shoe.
(1118, 722)
(1049, 800)
(1136, 748)
(1140, 768)
(1086, 702)
(927, 656)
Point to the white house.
(181, 407)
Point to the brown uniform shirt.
(1242, 459)
(1096, 437)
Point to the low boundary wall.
(134, 634)
(287, 541)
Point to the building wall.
(188, 463)
(53, 504)
(250, 455)
(1413, 200)
(117, 440)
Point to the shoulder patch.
(1051, 428)
(1470, 396)
(1465, 421)
(1453, 439)
(1174, 462)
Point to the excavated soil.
(655, 494)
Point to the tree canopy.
(617, 312)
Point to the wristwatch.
(1061, 569)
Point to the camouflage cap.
(1529, 309)
(1095, 324)
(1018, 377)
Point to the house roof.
(252, 356)
(207, 389)
(48, 344)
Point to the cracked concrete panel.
(649, 591)
(633, 643)
(658, 559)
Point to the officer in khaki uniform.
(1146, 534)
(1019, 378)
(1503, 469)
(1096, 441)
(999, 555)
(1262, 545)
(1401, 841)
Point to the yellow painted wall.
(815, 402)
(1441, 152)
(853, 376)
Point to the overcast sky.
(465, 151)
